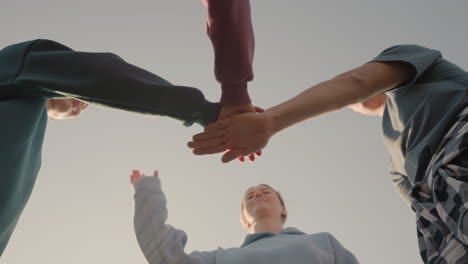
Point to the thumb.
(259, 109)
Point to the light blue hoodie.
(163, 244)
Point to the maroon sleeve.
(229, 27)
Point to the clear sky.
(332, 170)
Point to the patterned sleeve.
(161, 243)
(402, 185)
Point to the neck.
(266, 225)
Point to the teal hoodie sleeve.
(160, 242)
(47, 68)
(420, 58)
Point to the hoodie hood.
(257, 236)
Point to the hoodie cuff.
(147, 183)
(235, 94)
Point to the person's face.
(261, 202)
(64, 108)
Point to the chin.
(262, 210)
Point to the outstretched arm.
(229, 27)
(49, 69)
(248, 133)
(160, 243)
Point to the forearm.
(106, 79)
(320, 99)
(160, 242)
(349, 88)
(229, 27)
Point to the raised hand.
(136, 175)
(239, 135)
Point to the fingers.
(210, 142)
(207, 143)
(251, 156)
(209, 134)
(259, 109)
(135, 176)
(75, 111)
(210, 150)
(218, 125)
(230, 154)
(233, 154)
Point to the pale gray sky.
(331, 170)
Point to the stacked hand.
(230, 110)
(136, 175)
(240, 135)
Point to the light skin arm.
(250, 132)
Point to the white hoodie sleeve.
(161, 243)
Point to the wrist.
(271, 122)
(147, 183)
(235, 94)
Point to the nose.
(258, 194)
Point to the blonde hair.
(280, 198)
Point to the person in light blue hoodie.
(263, 214)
